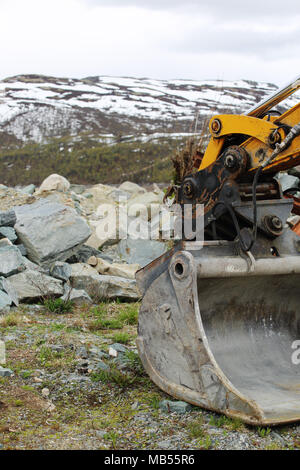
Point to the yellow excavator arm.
(263, 130)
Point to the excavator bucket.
(222, 331)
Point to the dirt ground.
(68, 392)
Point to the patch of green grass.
(154, 401)
(134, 362)
(12, 319)
(54, 359)
(195, 429)
(26, 374)
(273, 446)
(263, 432)
(98, 311)
(46, 354)
(114, 375)
(112, 437)
(129, 314)
(28, 388)
(121, 337)
(205, 443)
(57, 327)
(218, 421)
(105, 324)
(19, 403)
(59, 305)
(235, 424)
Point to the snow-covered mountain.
(36, 107)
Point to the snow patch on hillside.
(34, 108)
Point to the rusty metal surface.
(223, 343)
(296, 228)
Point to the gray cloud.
(270, 45)
(228, 39)
(218, 8)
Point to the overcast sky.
(164, 39)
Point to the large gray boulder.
(50, 231)
(5, 301)
(7, 288)
(60, 270)
(132, 188)
(101, 287)
(85, 252)
(31, 285)
(77, 296)
(11, 260)
(141, 252)
(8, 218)
(54, 183)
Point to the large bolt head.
(276, 223)
(188, 189)
(230, 161)
(216, 126)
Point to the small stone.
(56, 348)
(278, 438)
(102, 366)
(117, 269)
(37, 380)
(100, 433)
(60, 270)
(50, 407)
(82, 352)
(179, 407)
(55, 182)
(76, 296)
(112, 352)
(5, 242)
(8, 232)
(164, 445)
(92, 261)
(6, 372)
(8, 218)
(45, 392)
(84, 253)
(28, 189)
(119, 348)
(96, 353)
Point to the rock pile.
(50, 244)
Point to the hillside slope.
(107, 125)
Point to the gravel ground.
(67, 392)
